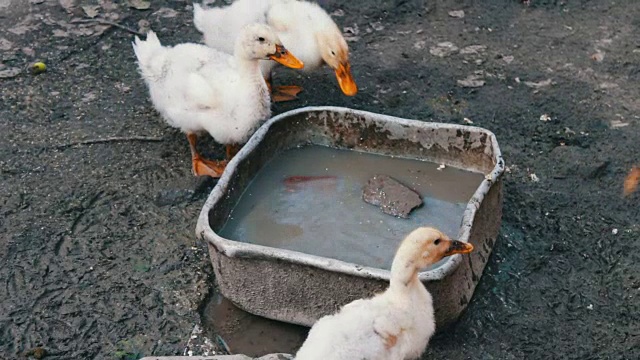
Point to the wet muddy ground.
(97, 248)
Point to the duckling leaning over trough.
(394, 325)
(304, 27)
(197, 88)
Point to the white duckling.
(197, 88)
(394, 325)
(304, 27)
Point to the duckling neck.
(250, 67)
(404, 275)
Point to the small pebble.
(459, 14)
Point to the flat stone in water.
(391, 196)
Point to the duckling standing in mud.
(197, 88)
(304, 27)
(394, 325)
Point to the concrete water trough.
(290, 238)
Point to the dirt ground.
(98, 254)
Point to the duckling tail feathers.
(146, 52)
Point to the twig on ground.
(111, 139)
(110, 23)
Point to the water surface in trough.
(309, 200)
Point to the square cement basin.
(296, 250)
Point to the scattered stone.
(467, 121)
(604, 42)
(458, 14)
(82, 30)
(473, 50)
(443, 49)
(5, 44)
(534, 177)
(166, 13)
(67, 5)
(112, 16)
(28, 51)
(608, 85)
(10, 72)
(616, 124)
(471, 81)
(539, 84)
(441, 167)
(88, 97)
(143, 26)
(139, 4)
(20, 29)
(391, 196)
(338, 13)
(545, 117)
(377, 26)
(91, 10)
(419, 45)
(60, 33)
(123, 88)
(598, 56)
(508, 59)
(351, 33)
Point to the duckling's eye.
(436, 242)
(333, 53)
(261, 39)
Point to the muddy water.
(310, 200)
(248, 334)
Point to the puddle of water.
(309, 200)
(249, 334)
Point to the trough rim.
(238, 249)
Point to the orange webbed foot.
(285, 93)
(204, 167)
